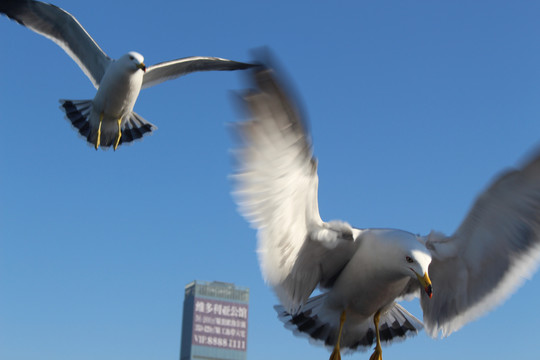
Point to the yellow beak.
(426, 284)
(142, 67)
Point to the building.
(215, 320)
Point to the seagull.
(108, 119)
(362, 274)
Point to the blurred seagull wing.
(491, 254)
(276, 190)
(169, 70)
(62, 28)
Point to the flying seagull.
(363, 273)
(108, 119)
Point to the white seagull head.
(407, 254)
(418, 263)
(133, 60)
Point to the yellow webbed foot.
(335, 354)
(377, 354)
(119, 134)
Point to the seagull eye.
(409, 259)
(131, 58)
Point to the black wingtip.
(11, 8)
(254, 65)
(270, 77)
(267, 70)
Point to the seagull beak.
(426, 284)
(142, 67)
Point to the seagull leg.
(377, 354)
(119, 133)
(98, 140)
(336, 353)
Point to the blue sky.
(413, 106)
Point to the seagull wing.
(169, 70)
(276, 189)
(62, 28)
(491, 254)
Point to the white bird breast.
(118, 91)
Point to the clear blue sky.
(414, 107)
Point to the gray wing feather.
(169, 70)
(276, 190)
(494, 250)
(62, 28)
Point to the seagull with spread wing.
(108, 119)
(363, 273)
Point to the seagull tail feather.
(79, 113)
(320, 324)
(135, 127)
